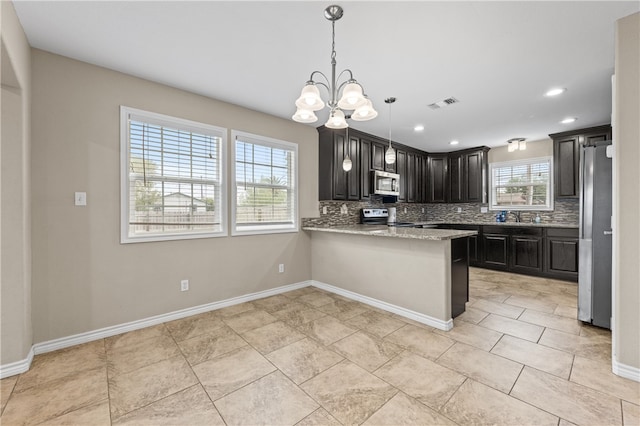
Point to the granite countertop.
(394, 232)
(524, 224)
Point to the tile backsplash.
(565, 212)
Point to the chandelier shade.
(310, 98)
(364, 112)
(336, 120)
(305, 116)
(344, 95)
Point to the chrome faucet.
(517, 215)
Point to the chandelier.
(352, 99)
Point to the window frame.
(125, 185)
(263, 229)
(522, 162)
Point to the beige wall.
(83, 278)
(535, 149)
(15, 207)
(626, 303)
(412, 274)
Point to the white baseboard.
(21, 366)
(626, 371)
(407, 313)
(18, 367)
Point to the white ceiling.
(497, 58)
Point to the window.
(172, 184)
(265, 180)
(522, 185)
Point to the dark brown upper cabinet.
(424, 178)
(468, 176)
(438, 178)
(566, 157)
(334, 182)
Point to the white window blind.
(265, 185)
(172, 178)
(522, 185)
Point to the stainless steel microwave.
(385, 183)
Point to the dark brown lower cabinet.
(459, 275)
(526, 253)
(495, 247)
(561, 253)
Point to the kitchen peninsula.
(421, 274)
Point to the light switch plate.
(81, 198)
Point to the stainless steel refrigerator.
(594, 271)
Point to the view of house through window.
(521, 185)
(265, 185)
(173, 175)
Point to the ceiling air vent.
(443, 103)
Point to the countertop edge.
(393, 232)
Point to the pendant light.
(390, 155)
(347, 164)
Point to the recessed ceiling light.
(568, 120)
(418, 128)
(454, 143)
(555, 92)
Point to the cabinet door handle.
(608, 232)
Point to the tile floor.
(516, 356)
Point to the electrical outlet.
(184, 285)
(484, 210)
(459, 210)
(281, 268)
(324, 209)
(423, 210)
(405, 209)
(81, 198)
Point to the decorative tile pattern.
(348, 392)
(171, 373)
(272, 400)
(303, 360)
(421, 341)
(141, 387)
(551, 360)
(191, 406)
(492, 370)
(477, 404)
(208, 346)
(421, 379)
(576, 403)
(56, 397)
(366, 350)
(272, 336)
(403, 410)
(231, 371)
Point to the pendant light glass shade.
(347, 164)
(352, 97)
(304, 116)
(390, 155)
(365, 112)
(336, 120)
(310, 98)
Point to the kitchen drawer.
(562, 232)
(512, 230)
